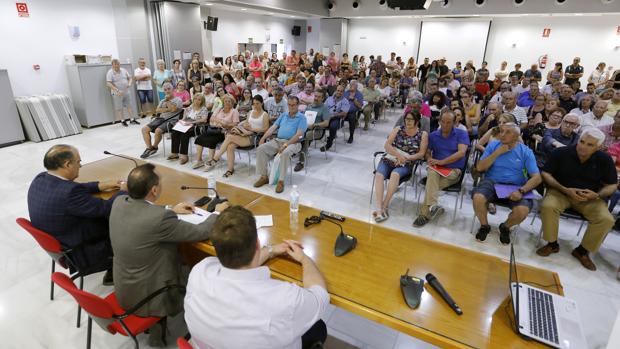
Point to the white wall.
(457, 40)
(331, 38)
(234, 27)
(382, 36)
(44, 39)
(592, 38)
(313, 38)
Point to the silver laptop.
(544, 316)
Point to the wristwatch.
(521, 191)
(270, 250)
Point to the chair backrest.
(47, 242)
(464, 169)
(92, 304)
(183, 344)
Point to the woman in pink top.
(306, 97)
(225, 119)
(256, 67)
(333, 63)
(182, 93)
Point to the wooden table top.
(366, 280)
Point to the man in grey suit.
(145, 239)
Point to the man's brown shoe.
(280, 187)
(547, 250)
(585, 260)
(261, 181)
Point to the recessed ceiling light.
(244, 9)
(578, 14)
(292, 16)
(209, 4)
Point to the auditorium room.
(309, 174)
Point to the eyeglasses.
(570, 123)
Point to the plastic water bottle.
(211, 185)
(294, 200)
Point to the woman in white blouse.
(196, 113)
(599, 76)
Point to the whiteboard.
(455, 40)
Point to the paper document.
(310, 117)
(264, 221)
(197, 217)
(503, 191)
(181, 127)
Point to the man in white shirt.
(232, 302)
(142, 75)
(509, 100)
(259, 90)
(597, 117)
(502, 73)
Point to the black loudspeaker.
(211, 23)
(296, 31)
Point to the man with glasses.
(497, 97)
(338, 107)
(564, 136)
(163, 122)
(291, 126)
(495, 110)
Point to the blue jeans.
(613, 200)
(386, 168)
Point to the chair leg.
(456, 204)
(52, 282)
(89, 332)
(580, 227)
(404, 198)
(249, 164)
(473, 224)
(79, 315)
(539, 236)
(372, 189)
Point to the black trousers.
(336, 123)
(180, 141)
(316, 333)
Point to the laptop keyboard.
(542, 316)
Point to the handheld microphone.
(212, 202)
(121, 156)
(344, 242)
(436, 285)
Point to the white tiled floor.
(28, 319)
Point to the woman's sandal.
(381, 217)
(229, 173)
(209, 165)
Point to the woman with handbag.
(405, 145)
(219, 124)
(196, 113)
(242, 135)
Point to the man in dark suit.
(145, 239)
(68, 211)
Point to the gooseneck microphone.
(436, 285)
(344, 242)
(212, 203)
(121, 156)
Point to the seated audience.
(260, 90)
(219, 123)
(534, 132)
(167, 113)
(245, 104)
(446, 149)
(338, 107)
(597, 117)
(294, 89)
(234, 285)
(196, 88)
(493, 133)
(527, 98)
(579, 177)
(291, 127)
(69, 212)
(276, 105)
(566, 135)
(195, 114)
(584, 105)
(494, 110)
(509, 99)
(614, 104)
(145, 239)
(404, 146)
(181, 93)
(315, 130)
(243, 135)
(505, 161)
(472, 114)
(306, 97)
(566, 98)
(372, 97)
(356, 100)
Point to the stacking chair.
(407, 180)
(568, 214)
(249, 150)
(59, 255)
(457, 188)
(108, 314)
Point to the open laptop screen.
(514, 295)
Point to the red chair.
(107, 313)
(183, 344)
(59, 255)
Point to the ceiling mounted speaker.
(356, 4)
(480, 3)
(331, 5)
(518, 3)
(383, 4)
(560, 2)
(445, 3)
(607, 2)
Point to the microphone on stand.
(344, 242)
(203, 200)
(436, 285)
(121, 156)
